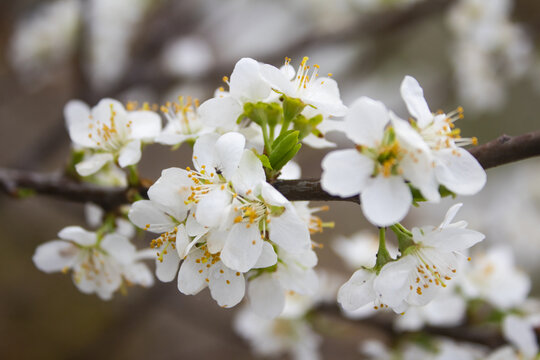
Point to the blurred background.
(482, 55)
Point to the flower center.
(111, 135)
(441, 133)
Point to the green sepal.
(291, 108)
(76, 157)
(418, 197)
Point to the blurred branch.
(484, 335)
(503, 150)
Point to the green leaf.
(286, 158)
(265, 161)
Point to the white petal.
(130, 153)
(167, 269)
(289, 231)
(413, 95)
(242, 247)
(291, 171)
(228, 151)
(324, 95)
(93, 214)
(317, 142)
(54, 256)
(203, 150)
(146, 212)
(246, 82)
(249, 174)
(182, 241)
(345, 172)
(227, 287)
(365, 122)
(76, 111)
(453, 239)
(102, 111)
(266, 296)
(272, 196)
(216, 241)
(145, 125)
(93, 163)
(298, 279)
(193, 227)
(277, 79)
(386, 200)
(211, 208)
(221, 112)
(191, 280)
(171, 190)
(172, 138)
(268, 256)
(139, 274)
(357, 291)
(459, 171)
(78, 235)
(450, 215)
(521, 334)
(119, 247)
(391, 285)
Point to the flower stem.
(404, 236)
(383, 256)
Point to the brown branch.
(503, 150)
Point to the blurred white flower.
(100, 264)
(45, 40)
(188, 56)
(489, 51)
(520, 332)
(183, 122)
(359, 249)
(113, 133)
(493, 276)
(112, 26)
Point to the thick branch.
(503, 150)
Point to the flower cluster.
(393, 157)
(226, 222)
(221, 224)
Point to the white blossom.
(455, 167)
(494, 277)
(321, 93)
(246, 85)
(111, 132)
(427, 265)
(99, 265)
(378, 167)
(183, 123)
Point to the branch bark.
(503, 150)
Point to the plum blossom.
(246, 85)
(111, 132)
(428, 264)
(379, 165)
(413, 279)
(494, 277)
(455, 167)
(274, 337)
(321, 93)
(99, 264)
(183, 122)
